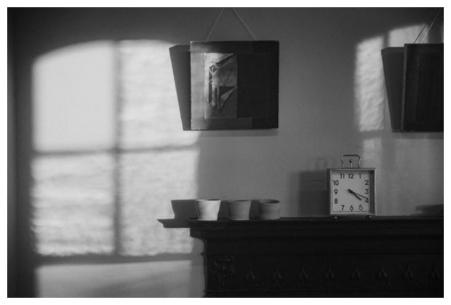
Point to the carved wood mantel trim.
(380, 256)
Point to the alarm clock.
(351, 188)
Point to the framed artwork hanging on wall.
(232, 84)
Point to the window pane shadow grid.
(115, 154)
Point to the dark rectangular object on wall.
(393, 60)
(423, 87)
(227, 84)
(414, 82)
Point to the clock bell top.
(350, 161)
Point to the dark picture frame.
(414, 79)
(231, 85)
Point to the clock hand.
(355, 194)
(362, 196)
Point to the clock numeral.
(336, 200)
(342, 175)
(366, 200)
(336, 182)
(351, 208)
(360, 175)
(351, 176)
(335, 191)
(366, 182)
(342, 207)
(360, 207)
(366, 191)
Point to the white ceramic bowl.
(208, 209)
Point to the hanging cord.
(214, 24)
(240, 19)
(429, 27)
(245, 25)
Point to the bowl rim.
(267, 201)
(239, 201)
(214, 200)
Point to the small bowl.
(208, 209)
(239, 209)
(268, 209)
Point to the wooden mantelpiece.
(323, 257)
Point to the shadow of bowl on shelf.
(239, 209)
(430, 210)
(267, 209)
(184, 209)
(254, 209)
(223, 210)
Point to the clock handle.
(350, 156)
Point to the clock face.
(351, 191)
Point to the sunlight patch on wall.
(150, 113)
(402, 195)
(372, 152)
(72, 194)
(73, 204)
(79, 176)
(149, 182)
(73, 98)
(369, 85)
(398, 37)
(150, 118)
